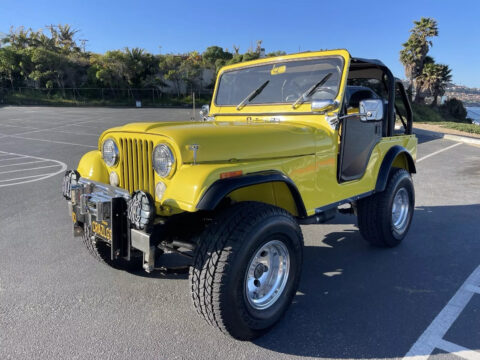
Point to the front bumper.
(108, 213)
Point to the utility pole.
(83, 42)
(193, 109)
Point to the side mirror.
(371, 110)
(205, 111)
(324, 105)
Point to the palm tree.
(416, 49)
(63, 36)
(434, 79)
(427, 81)
(444, 78)
(18, 38)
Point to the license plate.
(102, 229)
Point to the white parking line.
(21, 178)
(30, 178)
(53, 142)
(54, 130)
(438, 152)
(458, 350)
(25, 163)
(89, 126)
(475, 289)
(72, 123)
(14, 158)
(16, 126)
(432, 338)
(29, 169)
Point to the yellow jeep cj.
(286, 141)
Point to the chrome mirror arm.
(334, 119)
(353, 115)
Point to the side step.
(318, 218)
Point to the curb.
(439, 135)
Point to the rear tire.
(384, 218)
(247, 268)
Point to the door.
(357, 141)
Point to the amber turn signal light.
(231, 174)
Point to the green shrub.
(455, 108)
(427, 113)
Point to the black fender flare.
(222, 187)
(387, 163)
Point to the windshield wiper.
(310, 91)
(252, 95)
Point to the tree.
(444, 76)
(455, 108)
(64, 35)
(191, 70)
(433, 80)
(112, 69)
(18, 38)
(213, 53)
(139, 66)
(414, 51)
(169, 66)
(276, 53)
(49, 68)
(9, 64)
(215, 57)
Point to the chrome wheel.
(267, 275)
(400, 210)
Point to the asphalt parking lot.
(354, 301)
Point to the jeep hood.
(230, 141)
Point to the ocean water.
(474, 113)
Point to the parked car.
(285, 142)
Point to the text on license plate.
(102, 230)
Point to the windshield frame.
(274, 61)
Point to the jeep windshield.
(286, 81)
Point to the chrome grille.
(136, 165)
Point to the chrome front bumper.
(103, 212)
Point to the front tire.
(384, 218)
(247, 269)
(101, 252)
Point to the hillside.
(469, 96)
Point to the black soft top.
(368, 61)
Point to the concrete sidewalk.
(441, 133)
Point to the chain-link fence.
(99, 96)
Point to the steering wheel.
(292, 97)
(293, 91)
(327, 90)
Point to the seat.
(358, 95)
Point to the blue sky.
(374, 29)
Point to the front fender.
(287, 184)
(91, 166)
(221, 188)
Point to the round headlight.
(163, 160)
(110, 152)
